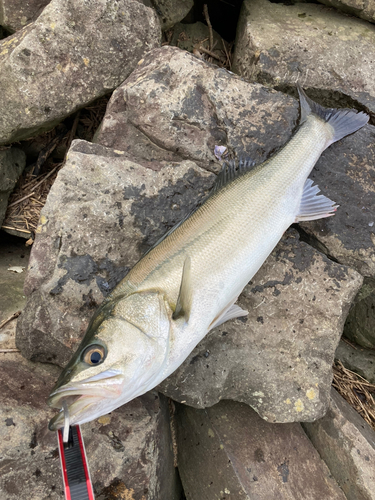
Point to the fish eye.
(93, 355)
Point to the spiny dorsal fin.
(183, 305)
(314, 206)
(231, 170)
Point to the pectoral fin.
(231, 312)
(183, 306)
(314, 206)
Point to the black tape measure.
(75, 470)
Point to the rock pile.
(152, 161)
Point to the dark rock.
(176, 107)
(69, 54)
(278, 359)
(12, 163)
(360, 324)
(15, 14)
(228, 451)
(347, 445)
(128, 451)
(117, 210)
(170, 12)
(359, 360)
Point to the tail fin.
(343, 121)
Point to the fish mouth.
(85, 401)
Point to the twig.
(208, 52)
(73, 131)
(21, 199)
(11, 318)
(349, 343)
(207, 18)
(15, 229)
(9, 350)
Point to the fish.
(189, 281)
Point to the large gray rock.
(15, 14)
(114, 210)
(66, 59)
(360, 324)
(227, 451)
(359, 360)
(364, 9)
(278, 359)
(12, 163)
(175, 106)
(128, 451)
(170, 12)
(281, 44)
(347, 445)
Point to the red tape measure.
(75, 470)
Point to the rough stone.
(228, 451)
(359, 360)
(62, 61)
(365, 9)
(15, 14)
(278, 359)
(117, 209)
(175, 106)
(347, 445)
(170, 12)
(281, 44)
(128, 451)
(12, 163)
(360, 324)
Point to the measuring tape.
(75, 470)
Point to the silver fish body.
(188, 283)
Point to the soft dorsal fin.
(230, 170)
(314, 206)
(183, 305)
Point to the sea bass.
(189, 281)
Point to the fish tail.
(343, 121)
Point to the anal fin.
(314, 206)
(231, 312)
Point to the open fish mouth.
(84, 401)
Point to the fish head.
(120, 357)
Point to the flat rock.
(128, 451)
(278, 359)
(175, 106)
(360, 323)
(15, 14)
(12, 163)
(281, 44)
(117, 209)
(365, 9)
(65, 59)
(360, 360)
(228, 451)
(347, 445)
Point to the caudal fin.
(343, 121)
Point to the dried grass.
(31, 191)
(356, 390)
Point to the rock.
(360, 324)
(15, 14)
(65, 53)
(128, 451)
(176, 107)
(12, 163)
(117, 209)
(359, 360)
(228, 451)
(280, 44)
(170, 12)
(278, 359)
(346, 174)
(347, 445)
(365, 9)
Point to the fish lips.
(85, 401)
